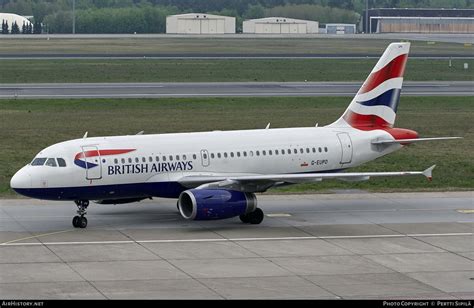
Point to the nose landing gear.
(80, 221)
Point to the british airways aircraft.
(215, 175)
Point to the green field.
(151, 70)
(27, 126)
(237, 44)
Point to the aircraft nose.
(21, 180)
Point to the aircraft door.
(93, 162)
(346, 146)
(205, 158)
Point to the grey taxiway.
(220, 89)
(325, 246)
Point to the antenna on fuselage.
(141, 132)
(85, 135)
(268, 126)
(316, 125)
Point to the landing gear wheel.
(80, 221)
(256, 217)
(75, 221)
(244, 218)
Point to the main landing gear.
(80, 221)
(254, 218)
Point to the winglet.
(428, 172)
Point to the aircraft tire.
(256, 217)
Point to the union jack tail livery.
(375, 104)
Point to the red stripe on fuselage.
(102, 153)
(393, 69)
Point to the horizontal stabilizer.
(389, 141)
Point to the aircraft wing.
(259, 183)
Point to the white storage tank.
(199, 23)
(280, 25)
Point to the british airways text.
(150, 168)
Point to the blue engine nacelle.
(211, 204)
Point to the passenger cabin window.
(143, 159)
(137, 160)
(164, 158)
(51, 162)
(116, 161)
(325, 149)
(38, 161)
(157, 158)
(184, 157)
(212, 155)
(61, 162)
(150, 159)
(177, 157)
(194, 156)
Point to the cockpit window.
(61, 162)
(38, 161)
(51, 162)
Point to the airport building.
(386, 20)
(199, 23)
(12, 18)
(340, 28)
(280, 25)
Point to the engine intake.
(213, 204)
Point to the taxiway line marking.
(13, 243)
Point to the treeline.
(26, 28)
(111, 20)
(149, 16)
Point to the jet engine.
(213, 204)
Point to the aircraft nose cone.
(21, 180)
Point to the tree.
(254, 11)
(15, 28)
(37, 28)
(4, 27)
(23, 28)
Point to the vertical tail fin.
(375, 104)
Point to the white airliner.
(215, 174)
